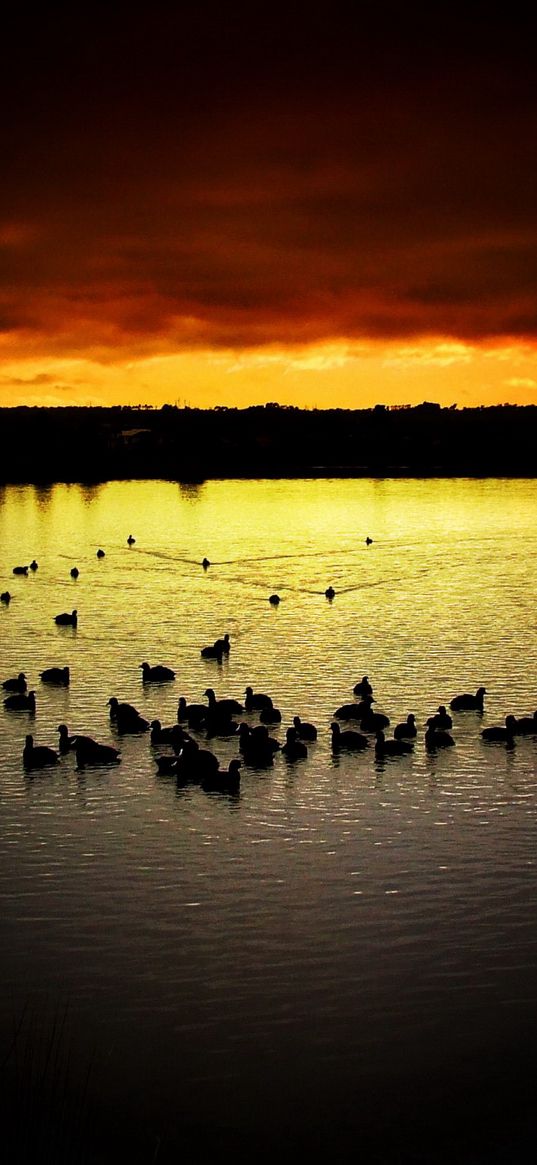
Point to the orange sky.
(230, 207)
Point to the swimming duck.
(256, 700)
(20, 570)
(66, 619)
(368, 541)
(441, 719)
(56, 675)
(469, 703)
(205, 563)
(100, 554)
(34, 565)
(194, 714)
(330, 593)
(274, 600)
(93, 754)
(16, 684)
(437, 738)
(223, 780)
(157, 674)
(160, 735)
(304, 730)
(223, 645)
(20, 702)
(392, 747)
(352, 741)
(167, 765)
(230, 707)
(363, 687)
(38, 756)
(270, 715)
(406, 730)
(195, 763)
(526, 725)
(501, 732)
(66, 742)
(374, 722)
(256, 746)
(126, 717)
(74, 572)
(354, 711)
(5, 597)
(131, 540)
(294, 749)
(212, 651)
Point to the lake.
(343, 955)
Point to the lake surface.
(345, 953)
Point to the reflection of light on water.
(393, 902)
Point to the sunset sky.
(231, 204)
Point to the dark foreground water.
(343, 956)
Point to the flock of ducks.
(191, 763)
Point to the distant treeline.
(189, 444)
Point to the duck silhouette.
(270, 715)
(126, 717)
(294, 749)
(100, 554)
(274, 600)
(304, 730)
(21, 702)
(34, 565)
(406, 730)
(131, 540)
(160, 735)
(469, 703)
(227, 706)
(223, 780)
(441, 718)
(374, 722)
(526, 725)
(194, 714)
(363, 687)
(20, 570)
(16, 684)
(256, 746)
(256, 700)
(349, 740)
(5, 597)
(437, 738)
(502, 733)
(66, 619)
(157, 674)
(74, 572)
(67, 742)
(384, 747)
(330, 593)
(38, 756)
(56, 675)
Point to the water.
(347, 949)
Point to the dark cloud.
(238, 176)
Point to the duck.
(256, 700)
(369, 541)
(126, 717)
(352, 741)
(441, 718)
(274, 600)
(526, 725)
(270, 715)
(5, 597)
(93, 754)
(34, 565)
(501, 732)
(16, 684)
(330, 593)
(437, 738)
(66, 619)
(374, 722)
(160, 735)
(205, 563)
(256, 746)
(223, 645)
(166, 765)
(66, 742)
(20, 702)
(131, 540)
(230, 707)
(304, 730)
(56, 675)
(354, 711)
(212, 651)
(38, 756)
(406, 730)
(20, 570)
(100, 554)
(195, 763)
(224, 780)
(392, 747)
(294, 749)
(363, 687)
(74, 572)
(157, 674)
(220, 724)
(468, 703)
(194, 714)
